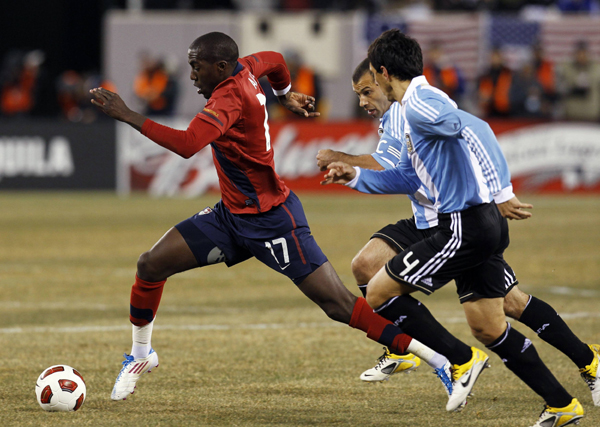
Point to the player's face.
(206, 76)
(370, 96)
(383, 84)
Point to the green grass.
(257, 353)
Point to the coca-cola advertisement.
(542, 157)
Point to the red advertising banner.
(542, 157)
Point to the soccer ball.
(60, 388)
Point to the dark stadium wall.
(68, 31)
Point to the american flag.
(559, 37)
(458, 35)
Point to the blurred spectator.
(494, 87)
(155, 86)
(581, 79)
(442, 74)
(304, 80)
(20, 82)
(527, 97)
(73, 95)
(544, 71)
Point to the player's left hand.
(299, 103)
(339, 173)
(513, 209)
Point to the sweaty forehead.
(193, 54)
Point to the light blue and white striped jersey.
(388, 154)
(454, 154)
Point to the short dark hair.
(400, 54)
(214, 47)
(360, 70)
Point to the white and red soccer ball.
(60, 388)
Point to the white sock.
(142, 340)
(429, 356)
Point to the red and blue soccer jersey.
(234, 123)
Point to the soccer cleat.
(130, 373)
(591, 374)
(390, 364)
(558, 417)
(445, 375)
(464, 377)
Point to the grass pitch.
(242, 346)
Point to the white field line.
(223, 327)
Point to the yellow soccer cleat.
(464, 377)
(390, 364)
(558, 417)
(591, 374)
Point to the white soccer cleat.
(464, 377)
(130, 373)
(390, 364)
(559, 417)
(591, 374)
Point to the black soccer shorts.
(467, 247)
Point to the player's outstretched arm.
(299, 103)
(326, 157)
(113, 106)
(513, 209)
(339, 173)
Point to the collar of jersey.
(239, 67)
(414, 83)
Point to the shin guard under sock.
(550, 327)
(144, 301)
(377, 328)
(520, 356)
(417, 321)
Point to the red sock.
(377, 328)
(144, 301)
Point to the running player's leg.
(547, 323)
(324, 287)
(384, 245)
(550, 326)
(183, 247)
(482, 291)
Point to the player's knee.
(147, 268)
(486, 334)
(361, 268)
(374, 299)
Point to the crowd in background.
(534, 88)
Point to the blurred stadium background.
(78, 201)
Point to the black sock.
(550, 327)
(520, 356)
(416, 320)
(363, 289)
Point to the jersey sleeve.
(389, 181)
(388, 153)
(272, 65)
(185, 143)
(223, 109)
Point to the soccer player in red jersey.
(258, 215)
